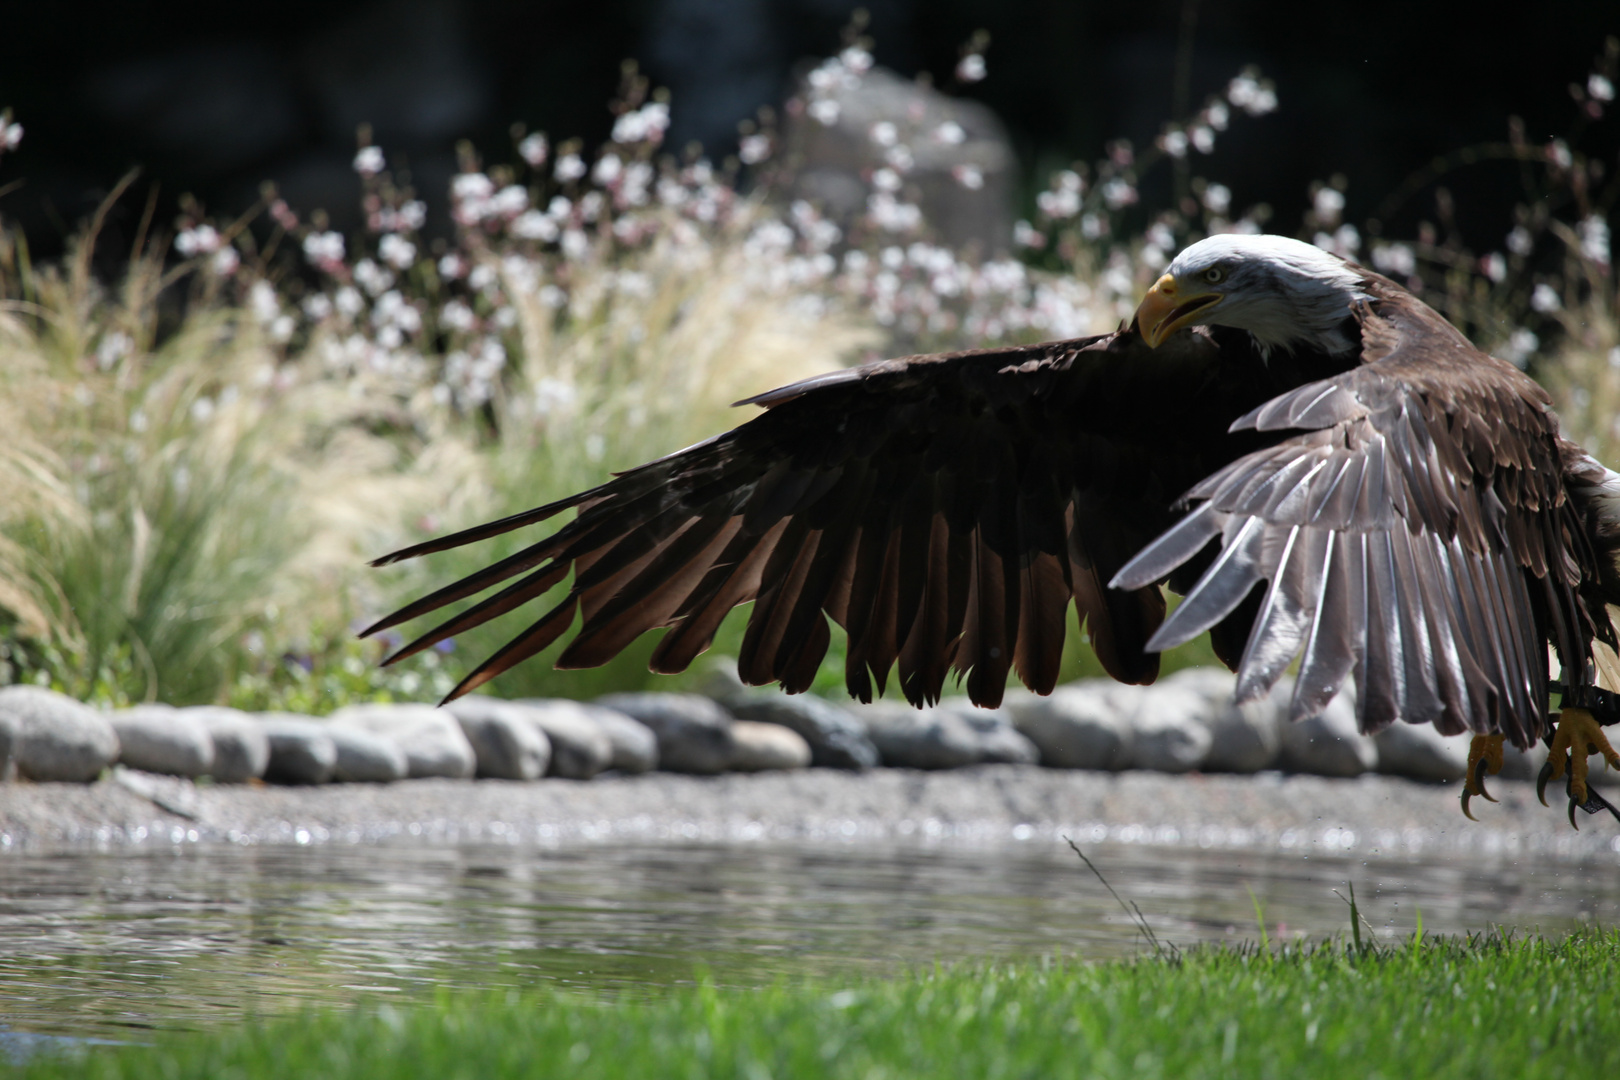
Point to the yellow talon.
(1578, 736)
(1484, 757)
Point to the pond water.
(107, 945)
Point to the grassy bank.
(1440, 1008)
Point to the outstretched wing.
(943, 510)
(1415, 534)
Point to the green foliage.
(1487, 1006)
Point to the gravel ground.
(1373, 816)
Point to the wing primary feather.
(1223, 587)
(1181, 542)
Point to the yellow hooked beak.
(1164, 310)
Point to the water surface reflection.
(100, 944)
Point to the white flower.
(1251, 94)
(262, 301)
(1544, 298)
(1062, 203)
(1494, 267)
(10, 135)
(754, 149)
(646, 124)
(225, 261)
(950, 133)
(1217, 198)
(113, 348)
(1394, 259)
(349, 301)
(324, 248)
(969, 176)
(1160, 236)
(1175, 143)
(1117, 192)
(884, 133)
(608, 168)
(900, 157)
(510, 201)
(590, 205)
(552, 297)
(452, 266)
(317, 306)
(473, 185)
(1594, 234)
(1218, 115)
(533, 149)
(456, 315)
(971, 69)
(1519, 240)
(396, 251)
(412, 215)
(1328, 204)
(1520, 345)
(482, 277)
(824, 111)
(886, 180)
(1203, 138)
(282, 327)
(856, 59)
(533, 225)
(1600, 88)
(198, 240)
(1027, 236)
(369, 161)
(570, 167)
(372, 278)
(575, 244)
(1558, 153)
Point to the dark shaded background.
(213, 98)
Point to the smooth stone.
(509, 745)
(580, 746)
(694, 732)
(7, 737)
(1243, 737)
(763, 746)
(1000, 743)
(54, 737)
(1526, 764)
(241, 749)
(1420, 752)
(431, 738)
(911, 738)
(1168, 733)
(301, 749)
(1077, 726)
(635, 747)
(1327, 744)
(162, 739)
(365, 757)
(836, 737)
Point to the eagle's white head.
(1287, 293)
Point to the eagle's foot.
(1484, 756)
(1578, 737)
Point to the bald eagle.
(1325, 469)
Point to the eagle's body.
(1295, 420)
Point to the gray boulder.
(763, 746)
(54, 737)
(241, 749)
(162, 739)
(1422, 753)
(999, 741)
(635, 747)
(837, 739)
(1243, 738)
(1328, 744)
(580, 746)
(365, 757)
(1168, 733)
(1526, 765)
(694, 732)
(431, 738)
(1078, 726)
(7, 736)
(508, 743)
(301, 749)
(911, 738)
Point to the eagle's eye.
(1214, 275)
